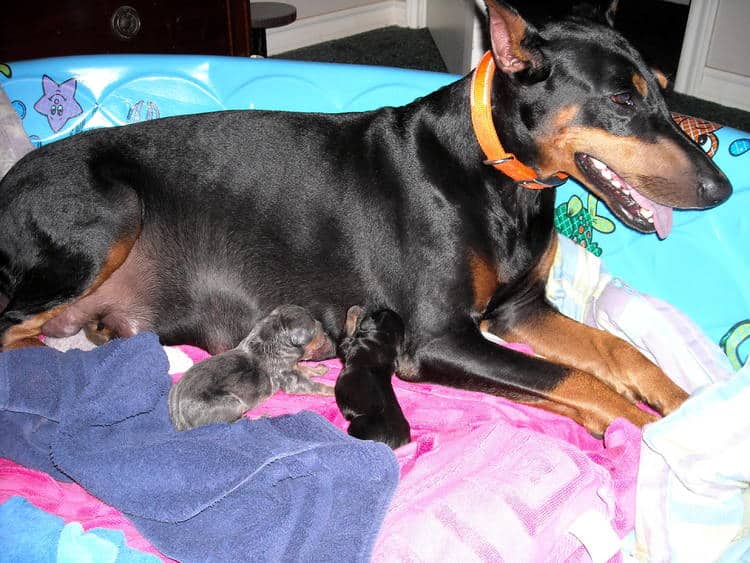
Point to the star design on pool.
(58, 103)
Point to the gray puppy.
(225, 386)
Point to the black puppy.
(363, 390)
(225, 386)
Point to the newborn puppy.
(363, 390)
(223, 387)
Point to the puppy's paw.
(393, 431)
(312, 371)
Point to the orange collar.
(484, 129)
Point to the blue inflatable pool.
(702, 268)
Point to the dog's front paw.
(393, 431)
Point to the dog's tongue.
(662, 214)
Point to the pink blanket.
(484, 479)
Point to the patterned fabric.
(694, 471)
(693, 484)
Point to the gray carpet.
(414, 48)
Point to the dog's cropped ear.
(515, 43)
(603, 11)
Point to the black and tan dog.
(198, 226)
(222, 388)
(369, 351)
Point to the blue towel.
(28, 533)
(286, 488)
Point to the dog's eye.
(623, 99)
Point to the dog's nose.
(713, 191)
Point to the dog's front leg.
(467, 360)
(612, 360)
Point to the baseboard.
(343, 23)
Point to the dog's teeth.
(598, 164)
(647, 214)
(616, 183)
(607, 173)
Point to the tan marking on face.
(484, 280)
(661, 170)
(661, 79)
(640, 85)
(26, 333)
(320, 347)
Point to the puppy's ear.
(353, 316)
(515, 43)
(603, 11)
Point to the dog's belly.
(195, 290)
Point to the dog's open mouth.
(631, 206)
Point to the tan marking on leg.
(610, 359)
(591, 403)
(23, 334)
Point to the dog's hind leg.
(466, 360)
(63, 232)
(25, 331)
(612, 360)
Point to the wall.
(714, 64)
(730, 47)
(311, 8)
(326, 20)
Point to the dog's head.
(594, 109)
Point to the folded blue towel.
(285, 488)
(28, 533)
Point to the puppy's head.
(375, 329)
(293, 327)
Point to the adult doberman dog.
(198, 226)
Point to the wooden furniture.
(80, 27)
(265, 15)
